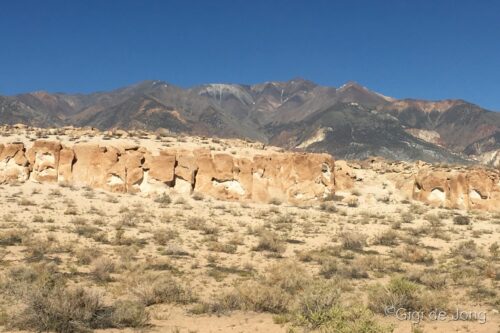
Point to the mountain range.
(350, 122)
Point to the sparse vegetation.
(352, 240)
(76, 260)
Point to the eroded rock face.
(66, 162)
(43, 158)
(344, 176)
(462, 189)
(95, 166)
(289, 177)
(14, 166)
(158, 172)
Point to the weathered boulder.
(158, 172)
(66, 161)
(127, 172)
(344, 176)
(94, 167)
(215, 176)
(187, 166)
(43, 157)
(14, 166)
(293, 177)
(463, 188)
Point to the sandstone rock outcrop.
(43, 158)
(464, 188)
(458, 187)
(14, 166)
(344, 176)
(289, 177)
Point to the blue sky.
(422, 49)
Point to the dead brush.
(163, 236)
(47, 304)
(102, 268)
(414, 254)
(271, 292)
(386, 238)
(160, 288)
(195, 223)
(38, 248)
(269, 241)
(350, 240)
(468, 250)
(13, 237)
(217, 246)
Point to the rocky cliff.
(125, 167)
(461, 188)
(455, 187)
(143, 162)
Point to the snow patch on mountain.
(220, 91)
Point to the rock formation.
(289, 177)
(344, 176)
(462, 188)
(14, 165)
(458, 187)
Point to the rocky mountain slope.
(349, 122)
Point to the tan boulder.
(43, 157)
(310, 177)
(293, 177)
(161, 167)
(215, 180)
(158, 172)
(344, 176)
(66, 161)
(232, 178)
(14, 166)
(129, 168)
(94, 167)
(431, 186)
(187, 166)
(483, 189)
(243, 174)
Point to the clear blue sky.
(423, 49)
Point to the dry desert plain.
(366, 259)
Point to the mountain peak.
(354, 88)
(351, 84)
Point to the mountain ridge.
(351, 121)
